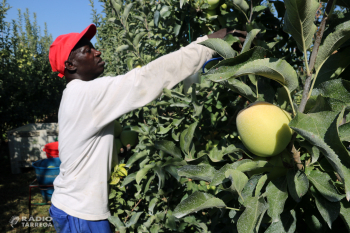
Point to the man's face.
(86, 60)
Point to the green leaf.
(243, 58)
(195, 202)
(322, 181)
(249, 220)
(126, 12)
(333, 67)
(220, 46)
(117, 6)
(253, 165)
(134, 218)
(286, 225)
(241, 88)
(170, 222)
(168, 147)
(241, 5)
(248, 190)
(344, 132)
(336, 89)
(172, 171)
(177, 28)
(136, 156)
(151, 205)
(220, 175)
(238, 180)
(197, 172)
(298, 184)
(130, 178)
(345, 212)
(260, 185)
(332, 42)
(143, 172)
(249, 40)
(230, 39)
(161, 175)
(138, 37)
(278, 70)
(186, 138)
(165, 11)
(299, 21)
(122, 48)
(276, 194)
(321, 130)
(156, 18)
(119, 225)
(328, 210)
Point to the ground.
(14, 194)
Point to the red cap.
(63, 45)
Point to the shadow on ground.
(14, 194)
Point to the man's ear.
(69, 65)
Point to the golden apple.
(263, 128)
(213, 4)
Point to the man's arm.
(140, 86)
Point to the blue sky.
(61, 16)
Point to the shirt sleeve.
(114, 96)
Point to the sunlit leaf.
(195, 202)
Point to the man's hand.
(225, 31)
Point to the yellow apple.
(224, 6)
(263, 128)
(213, 4)
(138, 66)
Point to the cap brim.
(89, 32)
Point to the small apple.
(51, 167)
(224, 6)
(263, 129)
(213, 4)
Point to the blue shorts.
(65, 223)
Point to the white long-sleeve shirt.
(86, 120)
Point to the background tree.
(29, 91)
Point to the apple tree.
(190, 170)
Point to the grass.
(14, 194)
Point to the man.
(86, 117)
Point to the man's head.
(74, 57)
(84, 62)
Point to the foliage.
(190, 172)
(29, 91)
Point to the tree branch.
(313, 57)
(319, 35)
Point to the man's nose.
(97, 53)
